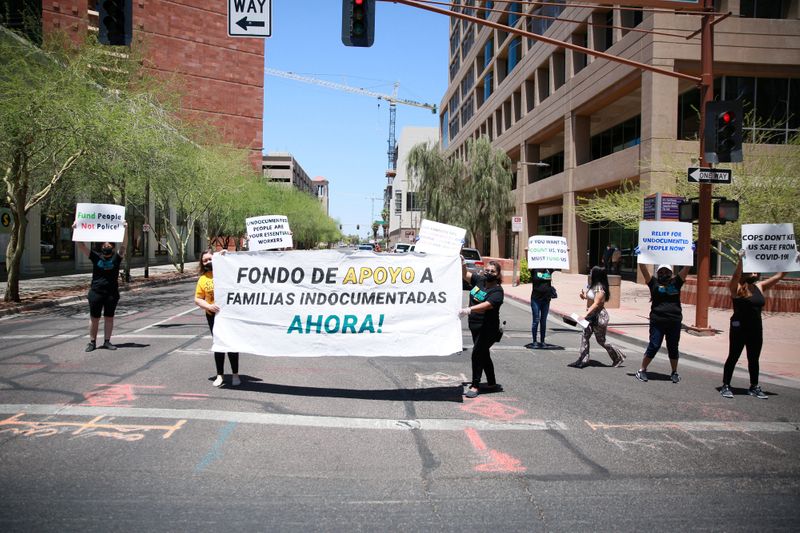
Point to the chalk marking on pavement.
(430, 424)
(216, 450)
(495, 461)
(692, 425)
(167, 319)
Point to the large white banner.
(665, 243)
(769, 248)
(99, 223)
(545, 251)
(331, 302)
(268, 233)
(438, 238)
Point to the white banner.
(438, 238)
(665, 243)
(545, 251)
(99, 223)
(331, 302)
(769, 248)
(268, 233)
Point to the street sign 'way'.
(710, 175)
(249, 18)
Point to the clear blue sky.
(339, 135)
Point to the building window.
(488, 85)
(444, 127)
(514, 53)
(488, 52)
(513, 15)
(467, 110)
(555, 165)
(552, 225)
(618, 138)
(764, 9)
(413, 202)
(398, 202)
(467, 82)
(485, 14)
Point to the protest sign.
(333, 303)
(268, 233)
(667, 243)
(769, 248)
(545, 251)
(438, 238)
(99, 223)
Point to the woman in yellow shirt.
(204, 299)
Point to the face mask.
(664, 278)
(491, 276)
(108, 251)
(209, 267)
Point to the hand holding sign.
(99, 223)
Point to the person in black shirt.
(541, 294)
(665, 316)
(485, 298)
(747, 293)
(104, 290)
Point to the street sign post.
(516, 224)
(710, 175)
(249, 18)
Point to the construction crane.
(391, 98)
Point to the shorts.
(102, 303)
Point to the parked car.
(368, 247)
(46, 248)
(473, 260)
(401, 248)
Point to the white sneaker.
(218, 382)
(235, 381)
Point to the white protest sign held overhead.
(268, 233)
(249, 18)
(668, 243)
(769, 248)
(441, 239)
(99, 223)
(333, 303)
(545, 251)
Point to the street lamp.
(540, 164)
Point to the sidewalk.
(38, 293)
(779, 356)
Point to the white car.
(45, 247)
(401, 247)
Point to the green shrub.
(524, 273)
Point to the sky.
(338, 135)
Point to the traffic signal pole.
(700, 326)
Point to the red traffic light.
(726, 117)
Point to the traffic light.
(358, 22)
(358, 227)
(116, 24)
(726, 210)
(723, 132)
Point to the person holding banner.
(596, 294)
(104, 289)
(204, 299)
(485, 298)
(541, 294)
(747, 293)
(666, 316)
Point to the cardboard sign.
(268, 233)
(440, 239)
(545, 251)
(99, 223)
(668, 243)
(769, 248)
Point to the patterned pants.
(599, 329)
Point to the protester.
(104, 290)
(746, 330)
(596, 294)
(541, 294)
(485, 298)
(204, 299)
(665, 316)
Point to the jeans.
(659, 330)
(539, 310)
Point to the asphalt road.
(137, 439)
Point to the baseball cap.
(668, 267)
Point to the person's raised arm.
(645, 272)
(684, 272)
(466, 275)
(81, 245)
(733, 284)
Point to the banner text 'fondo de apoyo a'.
(331, 303)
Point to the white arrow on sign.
(249, 18)
(710, 175)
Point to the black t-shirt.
(665, 304)
(748, 310)
(105, 272)
(479, 294)
(541, 282)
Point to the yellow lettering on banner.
(379, 275)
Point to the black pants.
(482, 340)
(741, 336)
(219, 357)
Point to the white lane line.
(120, 336)
(168, 319)
(698, 425)
(429, 424)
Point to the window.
(467, 110)
(488, 52)
(514, 53)
(764, 9)
(555, 165)
(513, 16)
(485, 13)
(618, 138)
(488, 85)
(552, 225)
(413, 202)
(445, 124)
(398, 202)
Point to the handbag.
(500, 332)
(553, 293)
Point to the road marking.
(427, 424)
(689, 425)
(216, 450)
(494, 461)
(116, 336)
(167, 319)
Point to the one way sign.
(710, 175)
(249, 18)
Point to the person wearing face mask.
(541, 294)
(665, 316)
(485, 298)
(747, 293)
(104, 290)
(204, 299)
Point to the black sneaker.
(757, 392)
(675, 377)
(726, 391)
(91, 346)
(108, 346)
(641, 375)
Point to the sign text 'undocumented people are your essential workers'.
(331, 303)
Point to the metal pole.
(147, 233)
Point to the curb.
(22, 308)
